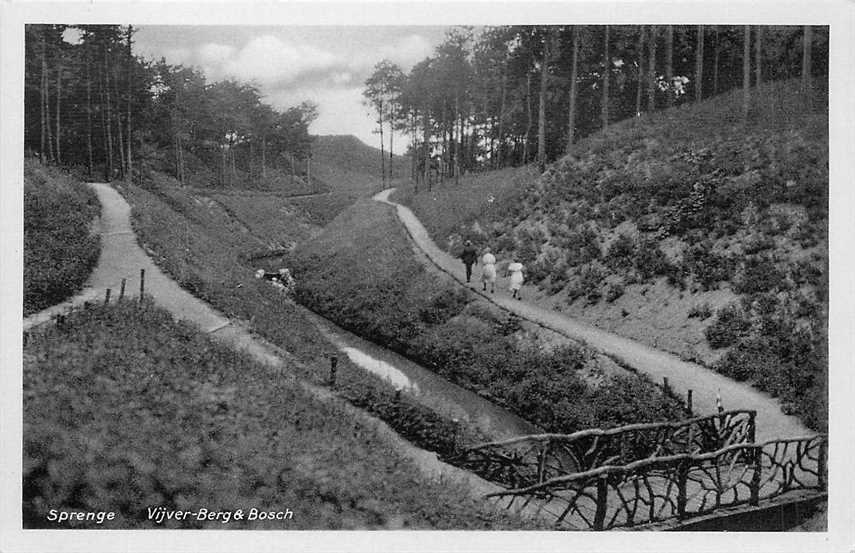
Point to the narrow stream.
(426, 387)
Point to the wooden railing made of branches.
(677, 487)
(530, 460)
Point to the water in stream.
(425, 386)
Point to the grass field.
(125, 409)
(60, 248)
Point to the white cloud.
(265, 60)
(407, 51)
(214, 54)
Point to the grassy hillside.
(125, 409)
(685, 229)
(350, 163)
(60, 246)
(361, 272)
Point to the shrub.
(588, 284)
(581, 245)
(700, 311)
(759, 274)
(619, 255)
(707, 267)
(649, 260)
(59, 251)
(614, 291)
(730, 325)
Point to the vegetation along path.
(682, 376)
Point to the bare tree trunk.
(651, 68)
(120, 133)
(426, 127)
(459, 140)
(414, 150)
(715, 63)
(234, 168)
(43, 98)
(746, 71)
(807, 45)
(607, 63)
(130, 97)
(669, 62)
(758, 55)
(58, 110)
(89, 111)
(391, 138)
(48, 123)
(541, 108)
(183, 174)
(529, 121)
(107, 116)
(571, 115)
(501, 147)
(640, 69)
(382, 149)
(264, 157)
(699, 65)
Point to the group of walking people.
(488, 269)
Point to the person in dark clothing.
(469, 256)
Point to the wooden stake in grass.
(122, 289)
(142, 284)
(665, 384)
(689, 402)
(333, 369)
(107, 297)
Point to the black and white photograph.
(327, 277)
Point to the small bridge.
(646, 474)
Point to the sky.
(327, 65)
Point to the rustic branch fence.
(531, 460)
(677, 487)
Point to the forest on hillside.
(512, 95)
(90, 102)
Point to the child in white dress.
(488, 272)
(517, 279)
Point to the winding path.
(682, 376)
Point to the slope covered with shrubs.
(126, 410)
(60, 247)
(686, 229)
(361, 273)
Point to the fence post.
(602, 502)
(752, 426)
(122, 290)
(821, 467)
(107, 297)
(755, 478)
(333, 364)
(142, 284)
(682, 478)
(665, 384)
(689, 402)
